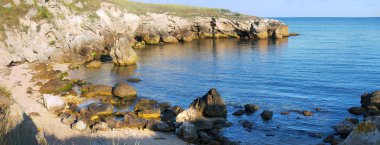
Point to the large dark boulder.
(371, 103)
(210, 105)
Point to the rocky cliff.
(78, 31)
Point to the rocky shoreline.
(79, 38)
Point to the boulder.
(94, 64)
(307, 113)
(177, 109)
(149, 114)
(356, 110)
(238, 113)
(122, 53)
(69, 120)
(56, 86)
(266, 115)
(91, 91)
(132, 121)
(101, 108)
(161, 126)
(53, 103)
(204, 137)
(210, 105)
(100, 126)
(151, 38)
(188, 132)
(251, 108)
(193, 116)
(328, 139)
(168, 115)
(80, 125)
(170, 39)
(365, 134)
(145, 104)
(134, 80)
(247, 124)
(114, 122)
(372, 99)
(344, 128)
(125, 90)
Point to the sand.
(17, 79)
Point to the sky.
(289, 8)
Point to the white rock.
(189, 115)
(80, 125)
(53, 103)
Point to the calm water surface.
(329, 66)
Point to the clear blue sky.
(290, 8)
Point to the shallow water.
(329, 66)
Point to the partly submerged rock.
(53, 103)
(122, 53)
(356, 110)
(151, 38)
(344, 128)
(94, 64)
(365, 134)
(266, 115)
(101, 108)
(238, 113)
(125, 90)
(96, 90)
(251, 108)
(210, 105)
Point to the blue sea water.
(328, 66)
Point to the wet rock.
(53, 103)
(365, 134)
(100, 126)
(164, 105)
(69, 120)
(161, 126)
(125, 90)
(168, 115)
(145, 104)
(149, 114)
(114, 122)
(337, 141)
(210, 105)
(238, 113)
(356, 110)
(91, 91)
(56, 86)
(266, 115)
(328, 139)
(177, 109)
(294, 34)
(132, 121)
(285, 113)
(353, 120)
(134, 80)
(251, 108)
(307, 113)
(318, 109)
(247, 124)
(188, 132)
(344, 128)
(101, 108)
(94, 64)
(80, 125)
(151, 38)
(170, 39)
(204, 137)
(122, 53)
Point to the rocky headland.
(77, 32)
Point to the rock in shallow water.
(94, 64)
(238, 113)
(125, 90)
(251, 108)
(344, 128)
(210, 105)
(266, 115)
(122, 53)
(356, 110)
(365, 134)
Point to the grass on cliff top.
(140, 8)
(5, 92)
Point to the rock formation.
(80, 37)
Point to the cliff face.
(68, 36)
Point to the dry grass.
(5, 92)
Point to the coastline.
(18, 81)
